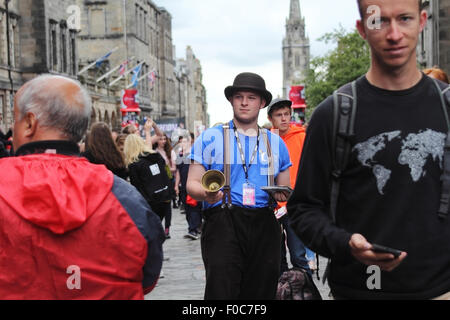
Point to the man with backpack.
(371, 170)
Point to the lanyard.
(241, 151)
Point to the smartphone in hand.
(383, 249)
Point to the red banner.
(129, 100)
(297, 96)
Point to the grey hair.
(54, 110)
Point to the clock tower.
(296, 50)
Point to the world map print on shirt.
(415, 151)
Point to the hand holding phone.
(374, 254)
(378, 248)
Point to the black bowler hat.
(278, 103)
(249, 81)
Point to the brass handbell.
(213, 181)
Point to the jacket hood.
(294, 130)
(55, 192)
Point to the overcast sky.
(234, 36)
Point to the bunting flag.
(152, 77)
(99, 61)
(136, 72)
(123, 68)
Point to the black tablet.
(275, 189)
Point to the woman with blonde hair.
(147, 170)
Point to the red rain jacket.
(65, 232)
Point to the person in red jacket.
(70, 229)
(279, 114)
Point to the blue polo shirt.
(208, 151)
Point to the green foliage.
(348, 61)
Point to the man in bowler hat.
(240, 241)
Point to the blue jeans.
(310, 255)
(297, 249)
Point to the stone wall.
(444, 35)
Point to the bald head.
(58, 104)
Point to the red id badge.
(249, 195)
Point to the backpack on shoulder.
(155, 182)
(344, 114)
(297, 284)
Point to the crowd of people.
(130, 152)
(95, 207)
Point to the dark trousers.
(241, 254)
(193, 217)
(164, 212)
(193, 214)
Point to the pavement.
(183, 270)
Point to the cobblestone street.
(183, 271)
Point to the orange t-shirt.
(294, 140)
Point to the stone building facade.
(35, 38)
(434, 42)
(192, 92)
(64, 36)
(138, 30)
(296, 49)
(141, 30)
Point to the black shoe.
(192, 235)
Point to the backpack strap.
(226, 167)
(271, 169)
(344, 114)
(271, 172)
(444, 93)
(344, 111)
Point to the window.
(143, 82)
(297, 60)
(14, 41)
(141, 24)
(137, 20)
(97, 22)
(73, 52)
(2, 38)
(64, 64)
(145, 27)
(53, 46)
(2, 112)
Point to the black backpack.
(150, 177)
(297, 284)
(344, 111)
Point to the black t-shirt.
(390, 192)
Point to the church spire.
(295, 13)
